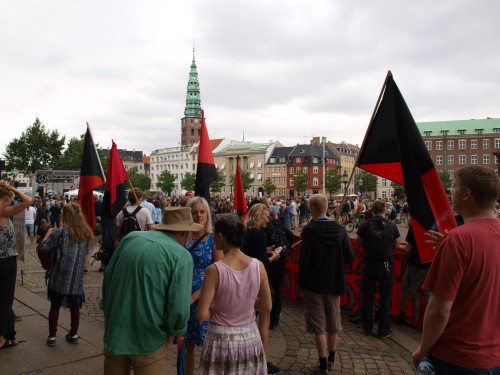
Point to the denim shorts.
(30, 228)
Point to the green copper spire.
(193, 101)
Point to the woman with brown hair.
(8, 260)
(71, 242)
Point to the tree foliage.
(268, 186)
(333, 180)
(166, 182)
(399, 190)
(216, 186)
(36, 148)
(189, 181)
(139, 180)
(300, 181)
(445, 179)
(246, 180)
(71, 158)
(369, 181)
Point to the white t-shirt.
(29, 215)
(143, 217)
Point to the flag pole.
(389, 74)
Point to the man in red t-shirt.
(462, 321)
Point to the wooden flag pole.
(370, 125)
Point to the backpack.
(347, 207)
(276, 235)
(378, 243)
(406, 208)
(129, 223)
(392, 215)
(47, 259)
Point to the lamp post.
(231, 192)
(360, 182)
(345, 181)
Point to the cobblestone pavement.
(291, 348)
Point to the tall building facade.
(191, 122)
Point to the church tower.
(191, 122)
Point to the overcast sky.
(284, 70)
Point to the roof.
(487, 125)
(247, 146)
(215, 142)
(311, 150)
(280, 152)
(147, 159)
(125, 155)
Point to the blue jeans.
(376, 273)
(443, 367)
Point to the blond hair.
(254, 215)
(200, 200)
(319, 203)
(76, 223)
(4, 190)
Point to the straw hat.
(178, 219)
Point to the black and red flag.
(91, 177)
(116, 179)
(239, 194)
(394, 149)
(205, 170)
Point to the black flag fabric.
(205, 170)
(394, 149)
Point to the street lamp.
(345, 181)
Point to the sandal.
(9, 344)
(72, 339)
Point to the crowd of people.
(188, 266)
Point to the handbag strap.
(197, 242)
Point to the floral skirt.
(233, 350)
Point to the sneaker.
(331, 365)
(72, 339)
(386, 336)
(272, 369)
(319, 370)
(51, 341)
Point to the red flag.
(116, 179)
(239, 193)
(91, 177)
(394, 149)
(205, 170)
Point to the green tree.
(399, 190)
(445, 179)
(166, 182)
(300, 181)
(268, 186)
(216, 186)
(72, 156)
(333, 180)
(189, 181)
(35, 149)
(368, 181)
(246, 180)
(139, 180)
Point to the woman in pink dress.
(234, 288)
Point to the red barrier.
(416, 308)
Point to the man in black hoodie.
(324, 252)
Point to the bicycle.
(353, 222)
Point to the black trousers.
(8, 271)
(276, 273)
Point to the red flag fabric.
(394, 149)
(116, 179)
(91, 177)
(239, 194)
(205, 170)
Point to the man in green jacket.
(146, 295)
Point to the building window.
(439, 145)
(305, 169)
(315, 169)
(461, 132)
(384, 194)
(461, 159)
(283, 180)
(291, 170)
(259, 164)
(297, 160)
(291, 182)
(486, 159)
(451, 159)
(298, 169)
(486, 144)
(251, 165)
(444, 132)
(384, 182)
(259, 177)
(496, 130)
(473, 144)
(451, 145)
(479, 131)
(315, 181)
(427, 133)
(497, 142)
(439, 160)
(428, 144)
(461, 144)
(473, 159)
(283, 169)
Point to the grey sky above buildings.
(282, 69)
